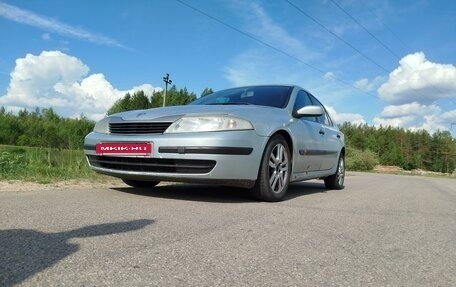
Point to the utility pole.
(167, 81)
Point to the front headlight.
(208, 124)
(102, 126)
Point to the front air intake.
(138, 127)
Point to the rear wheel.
(274, 173)
(336, 181)
(140, 183)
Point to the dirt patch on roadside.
(397, 170)
(103, 182)
(387, 168)
(19, 185)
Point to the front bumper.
(228, 158)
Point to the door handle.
(322, 131)
(338, 136)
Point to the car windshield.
(273, 96)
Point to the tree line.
(366, 145)
(43, 128)
(139, 100)
(407, 149)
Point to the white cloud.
(449, 116)
(368, 85)
(148, 89)
(329, 76)
(57, 80)
(402, 121)
(412, 90)
(414, 109)
(433, 123)
(26, 17)
(340, 118)
(362, 84)
(416, 116)
(419, 80)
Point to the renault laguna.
(256, 137)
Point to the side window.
(323, 119)
(302, 100)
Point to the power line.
(353, 47)
(337, 36)
(385, 46)
(392, 32)
(253, 37)
(350, 45)
(365, 29)
(249, 35)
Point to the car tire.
(140, 183)
(336, 181)
(274, 173)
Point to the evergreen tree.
(206, 91)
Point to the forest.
(366, 145)
(407, 149)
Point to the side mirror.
(310, 111)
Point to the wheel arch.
(286, 135)
(287, 138)
(342, 152)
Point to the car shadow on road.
(217, 194)
(26, 252)
(193, 192)
(303, 188)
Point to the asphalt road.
(382, 230)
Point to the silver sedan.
(257, 137)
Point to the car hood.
(175, 112)
(263, 118)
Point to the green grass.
(42, 165)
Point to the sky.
(380, 62)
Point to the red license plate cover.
(124, 149)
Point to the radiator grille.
(139, 127)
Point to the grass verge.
(43, 165)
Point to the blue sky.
(375, 62)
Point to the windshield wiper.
(231, 103)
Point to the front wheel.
(140, 183)
(336, 181)
(274, 173)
